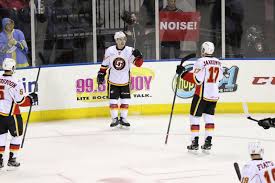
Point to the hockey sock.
(124, 107)
(195, 127)
(194, 131)
(114, 108)
(209, 125)
(124, 110)
(3, 138)
(15, 146)
(209, 128)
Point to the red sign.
(179, 26)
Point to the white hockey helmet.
(207, 48)
(255, 148)
(119, 34)
(8, 64)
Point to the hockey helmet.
(207, 48)
(255, 148)
(8, 64)
(119, 34)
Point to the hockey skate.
(207, 144)
(195, 145)
(12, 161)
(115, 122)
(123, 122)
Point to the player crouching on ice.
(12, 95)
(206, 74)
(119, 59)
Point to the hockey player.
(118, 59)
(266, 123)
(258, 170)
(206, 74)
(12, 95)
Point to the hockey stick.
(29, 113)
(237, 169)
(134, 37)
(247, 115)
(192, 55)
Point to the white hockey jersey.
(119, 63)
(258, 171)
(206, 74)
(12, 95)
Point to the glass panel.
(65, 36)
(15, 44)
(258, 28)
(138, 23)
(210, 24)
(234, 16)
(185, 25)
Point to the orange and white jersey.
(119, 63)
(207, 73)
(258, 171)
(12, 95)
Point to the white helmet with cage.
(207, 48)
(255, 148)
(9, 64)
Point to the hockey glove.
(265, 123)
(100, 77)
(180, 69)
(137, 53)
(34, 97)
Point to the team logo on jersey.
(227, 84)
(119, 63)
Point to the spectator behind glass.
(134, 30)
(170, 49)
(13, 44)
(234, 14)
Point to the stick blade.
(245, 110)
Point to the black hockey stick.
(247, 115)
(237, 169)
(29, 113)
(192, 55)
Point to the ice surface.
(89, 151)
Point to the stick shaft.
(29, 113)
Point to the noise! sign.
(179, 26)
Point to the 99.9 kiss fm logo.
(227, 84)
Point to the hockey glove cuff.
(180, 69)
(265, 123)
(137, 53)
(34, 97)
(100, 77)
